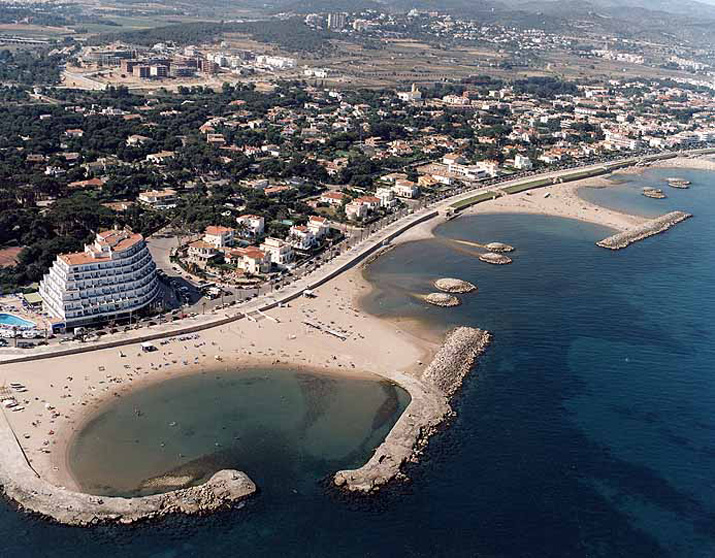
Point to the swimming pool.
(13, 321)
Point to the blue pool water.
(588, 429)
(14, 321)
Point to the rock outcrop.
(499, 247)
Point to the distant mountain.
(691, 8)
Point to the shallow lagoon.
(285, 428)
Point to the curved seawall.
(429, 408)
(20, 482)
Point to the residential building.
(112, 278)
(251, 225)
(336, 21)
(301, 238)
(319, 226)
(160, 158)
(201, 252)
(333, 198)
(386, 197)
(249, 260)
(159, 199)
(356, 211)
(522, 162)
(413, 94)
(136, 139)
(280, 252)
(219, 237)
(406, 189)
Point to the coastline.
(390, 349)
(61, 397)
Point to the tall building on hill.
(336, 21)
(113, 277)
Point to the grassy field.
(484, 196)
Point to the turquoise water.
(587, 431)
(287, 429)
(14, 321)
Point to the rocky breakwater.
(495, 259)
(644, 230)
(443, 300)
(499, 247)
(428, 409)
(34, 494)
(454, 286)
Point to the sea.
(586, 430)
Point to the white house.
(279, 251)
(159, 199)
(319, 226)
(333, 198)
(219, 236)
(251, 259)
(301, 238)
(386, 196)
(406, 189)
(522, 162)
(356, 210)
(254, 225)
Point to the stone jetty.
(21, 483)
(454, 286)
(442, 299)
(644, 230)
(428, 409)
(495, 259)
(499, 247)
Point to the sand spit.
(499, 247)
(649, 228)
(34, 494)
(429, 408)
(495, 259)
(454, 286)
(698, 163)
(442, 299)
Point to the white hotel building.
(110, 279)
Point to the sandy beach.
(562, 201)
(65, 391)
